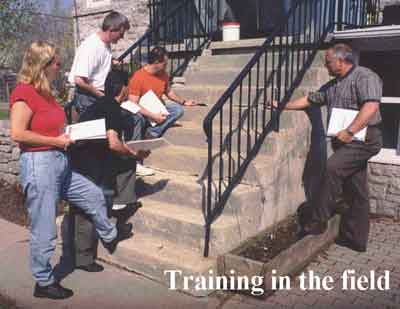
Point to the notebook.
(153, 104)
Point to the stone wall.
(384, 187)
(135, 10)
(9, 155)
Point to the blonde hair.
(37, 57)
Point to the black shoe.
(341, 207)
(91, 268)
(315, 228)
(127, 212)
(343, 242)
(52, 291)
(124, 231)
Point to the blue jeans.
(175, 112)
(46, 178)
(133, 126)
(83, 102)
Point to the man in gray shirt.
(354, 88)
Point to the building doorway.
(257, 18)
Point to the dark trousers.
(83, 238)
(345, 178)
(121, 190)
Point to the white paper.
(148, 144)
(153, 104)
(341, 119)
(94, 129)
(130, 106)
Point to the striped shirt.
(358, 86)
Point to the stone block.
(6, 148)
(13, 167)
(4, 157)
(378, 180)
(395, 198)
(15, 153)
(11, 179)
(377, 191)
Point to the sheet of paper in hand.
(341, 119)
(148, 144)
(94, 129)
(153, 104)
(130, 106)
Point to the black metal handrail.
(240, 120)
(184, 31)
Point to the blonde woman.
(37, 121)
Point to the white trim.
(390, 100)
(386, 156)
(373, 32)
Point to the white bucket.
(230, 31)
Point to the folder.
(341, 119)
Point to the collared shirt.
(351, 91)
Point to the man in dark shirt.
(111, 164)
(354, 88)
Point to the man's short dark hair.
(157, 55)
(115, 21)
(115, 81)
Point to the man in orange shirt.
(154, 77)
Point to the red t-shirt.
(48, 116)
(142, 81)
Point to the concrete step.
(212, 77)
(241, 44)
(193, 118)
(191, 134)
(152, 257)
(193, 161)
(189, 192)
(185, 226)
(211, 94)
(239, 60)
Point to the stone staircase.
(169, 228)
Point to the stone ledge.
(386, 156)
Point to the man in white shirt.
(93, 61)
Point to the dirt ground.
(12, 204)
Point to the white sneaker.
(143, 171)
(118, 206)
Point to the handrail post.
(340, 14)
(208, 190)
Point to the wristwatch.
(349, 132)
